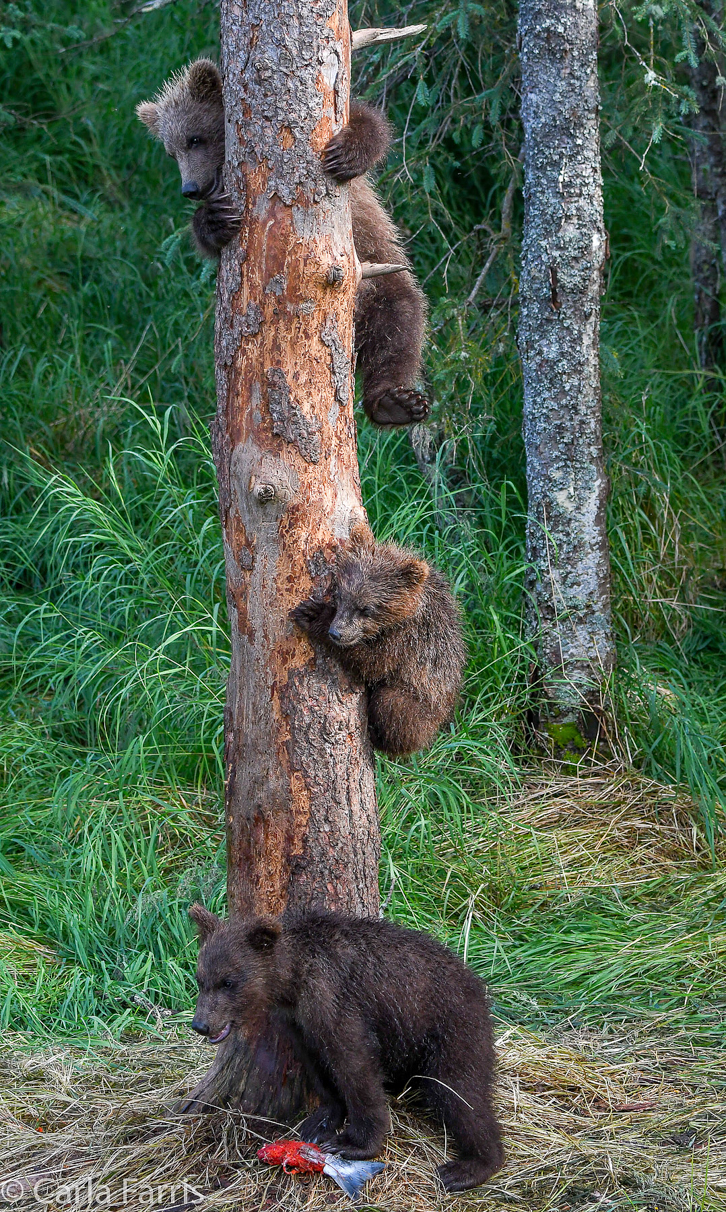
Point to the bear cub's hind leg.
(461, 1095)
(391, 309)
(399, 723)
(390, 321)
(398, 406)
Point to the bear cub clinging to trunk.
(188, 117)
(392, 622)
(369, 1006)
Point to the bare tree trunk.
(563, 254)
(302, 824)
(708, 247)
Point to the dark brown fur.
(369, 1007)
(392, 622)
(188, 118)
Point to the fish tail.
(351, 1176)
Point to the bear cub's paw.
(342, 158)
(215, 225)
(398, 406)
(322, 1124)
(359, 145)
(343, 1146)
(363, 1136)
(313, 616)
(465, 1174)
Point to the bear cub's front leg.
(359, 145)
(314, 617)
(215, 224)
(323, 1123)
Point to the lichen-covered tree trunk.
(563, 255)
(302, 824)
(708, 161)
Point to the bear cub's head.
(377, 586)
(235, 972)
(188, 117)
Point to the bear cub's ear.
(263, 934)
(413, 573)
(205, 921)
(361, 539)
(204, 81)
(148, 112)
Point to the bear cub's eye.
(228, 983)
(195, 141)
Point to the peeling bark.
(563, 254)
(302, 824)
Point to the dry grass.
(607, 827)
(591, 1119)
(611, 826)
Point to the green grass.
(113, 635)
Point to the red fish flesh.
(300, 1157)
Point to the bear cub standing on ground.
(393, 623)
(371, 1006)
(188, 117)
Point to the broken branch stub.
(374, 37)
(374, 269)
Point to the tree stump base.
(264, 1080)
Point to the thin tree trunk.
(302, 824)
(563, 254)
(708, 247)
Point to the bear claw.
(340, 158)
(215, 224)
(340, 1146)
(322, 1124)
(464, 1174)
(313, 617)
(306, 612)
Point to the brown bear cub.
(393, 623)
(368, 1006)
(188, 117)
